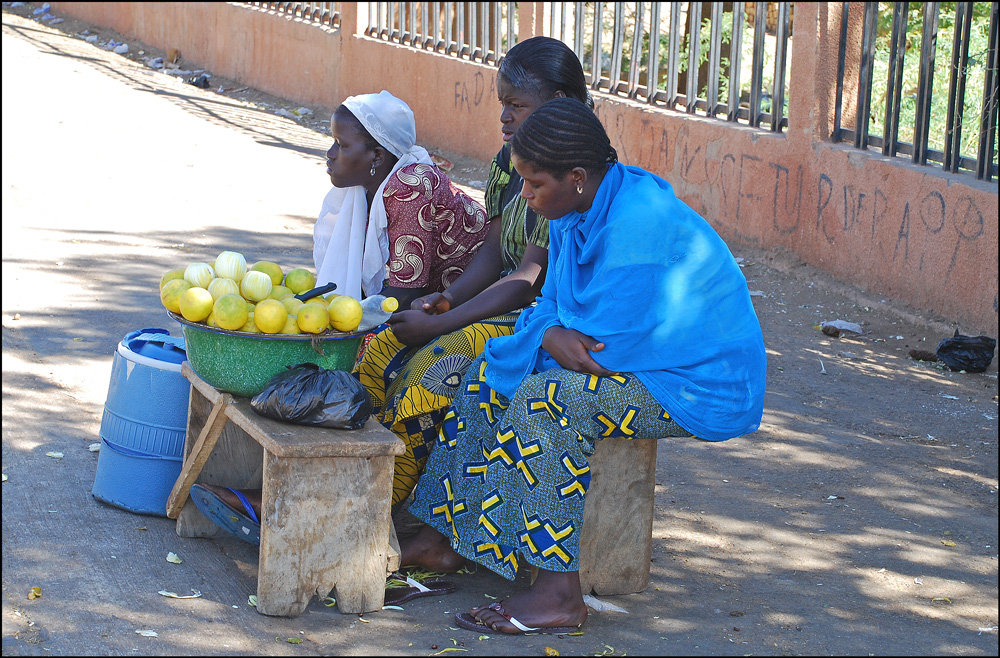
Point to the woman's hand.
(433, 304)
(571, 350)
(414, 327)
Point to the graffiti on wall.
(756, 198)
(470, 94)
(781, 198)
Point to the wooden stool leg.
(205, 422)
(616, 539)
(326, 527)
(392, 560)
(237, 461)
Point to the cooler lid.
(156, 344)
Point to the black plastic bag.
(311, 395)
(968, 353)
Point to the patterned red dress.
(434, 228)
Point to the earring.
(579, 188)
(372, 170)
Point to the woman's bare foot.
(431, 550)
(554, 600)
(231, 499)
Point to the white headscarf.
(345, 252)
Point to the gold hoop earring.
(579, 189)
(372, 170)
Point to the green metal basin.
(242, 363)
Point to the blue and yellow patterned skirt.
(411, 388)
(509, 477)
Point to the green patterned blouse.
(519, 225)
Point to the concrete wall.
(909, 232)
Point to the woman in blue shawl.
(644, 329)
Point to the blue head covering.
(646, 275)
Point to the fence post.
(530, 20)
(353, 18)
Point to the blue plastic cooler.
(144, 423)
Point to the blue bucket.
(144, 423)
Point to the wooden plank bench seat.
(326, 499)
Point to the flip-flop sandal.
(244, 525)
(469, 622)
(397, 595)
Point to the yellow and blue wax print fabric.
(411, 388)
(507, 478)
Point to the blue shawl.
(646, 275)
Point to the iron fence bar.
(735, 61)
(956, 86)
(462, 49)
(653, 70)
(757, 74)
(694, 41)
(617, 46)
(865, 73)
(635, 61)
(562, 20)
(894, 79)
(511, 32)
(673, 53)
(425, 38)
(780, 60)
(415, 35)
(985, 169)
(470, 36)
(714, 55)
(925, 81)
(494, 28)
(436, 40)
(578, 14)
(403, 33)
(595, 52)
(393, 31)
(448, 32)
(838, 131)
(407, 25)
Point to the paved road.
(829, 531)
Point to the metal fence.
(322, 13)
(695, 62)
(940, 94)
(477, 31)
(730, 62)
(936, 62)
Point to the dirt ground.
(861, 518)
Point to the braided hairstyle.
(561, 135)
(543, 66)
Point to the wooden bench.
(327, 493)
(616, 540)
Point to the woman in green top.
(413, 368)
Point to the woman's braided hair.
(543, 66)
(563, 134)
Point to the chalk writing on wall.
(472, 93)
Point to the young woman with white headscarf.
(393, 223)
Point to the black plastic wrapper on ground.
(308, 394)
(968, 353)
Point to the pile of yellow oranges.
(262, 298)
